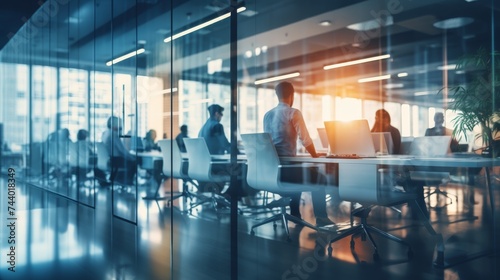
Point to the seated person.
(121, 158)
(217, 143)
(383, 124)
(285, 124)
(440, 130)
(149, 141)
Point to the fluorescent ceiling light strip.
(447, 67)
(371, 79)
(359, 61)
(277, 78)
(203, 25)
(126, 56)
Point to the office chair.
(203, 169)
(79, 161)
(56, 154)
(175, 167)
(103, 163)
(362, 183)
(264, 173)
(437, 179)
(432, 146)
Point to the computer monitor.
(430, 146)
(383, 143)
(352, 137)
(323, 137)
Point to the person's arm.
(303, 133)
(311, 150)
(221, 137)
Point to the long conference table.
(354, 172)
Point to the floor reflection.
(61, 239)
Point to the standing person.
(180, 138)
(213, 132)
(440, 130)
(285, 125)
(383, 124)
(120, 156)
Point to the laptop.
(323, 137)
(383, 143)
(430, 146)
(352, 137)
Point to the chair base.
(438, 192)
(365, 230)
(284, 217)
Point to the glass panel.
(345, 59)
(201, 71)
(123, 136)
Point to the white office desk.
(225, 157)
(353, 172)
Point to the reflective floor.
(57, 238)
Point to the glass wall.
(157, 65)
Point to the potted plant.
(477, 102)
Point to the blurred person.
(180, 138)
(120, 156)
(383, 124)
(440, 130)
(149, 142)
(213, 132)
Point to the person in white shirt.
(285, 125)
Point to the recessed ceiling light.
(447, 67)
(453, 22)
(402, 74)
(325, 23)
(371, 24)
(420, 93)
(391, 86)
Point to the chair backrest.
(79, 154)
(172, 158)
(73, 155)
(430, 146)
(369, 184)
(263, 162)
(102, 156)
(51, 153)
(199, 159)
(358, 182)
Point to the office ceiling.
(13, 15)
(294, 39)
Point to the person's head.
(82, 134)
(215, 111)
(382, 120)
(151, 134)
(285, 92)
(438, 119)
(184, 129)
(64, 134)
(114, 123)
